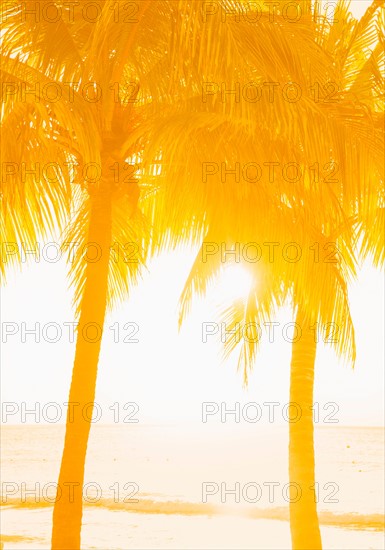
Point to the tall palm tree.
(104, 210)
(317, 293)
(362, 199)
(101, 213)
(100, 120)
(345, 134)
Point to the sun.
(235, 282)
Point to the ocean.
(193, 486)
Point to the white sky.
(169, 375)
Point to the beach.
(161, 487)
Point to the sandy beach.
(168, 511)
(104, 529)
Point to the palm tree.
(348, 135)
(104, 210)
(100, 122)
(362, 199)
(318, 295)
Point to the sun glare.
(235, 282)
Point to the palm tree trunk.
(304, 525)
(68, 509)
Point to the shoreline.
(352, 521)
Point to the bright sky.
(168, 374)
